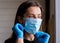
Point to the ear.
(19, 19)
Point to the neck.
(29, 37)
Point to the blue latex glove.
(18, 30)
(42, 37)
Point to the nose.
(35, 16)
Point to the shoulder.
(9, 41)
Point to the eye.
(30, 16)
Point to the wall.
(8, 10)
(57, 11)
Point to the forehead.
(34, 10)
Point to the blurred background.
(51, 15)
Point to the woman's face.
(33, 12)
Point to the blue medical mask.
(32, 25)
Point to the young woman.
(27, 23)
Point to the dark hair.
(22, 9)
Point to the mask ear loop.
(20, 20)
(23, 21)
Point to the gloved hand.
(18, 30)
(42, 37)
